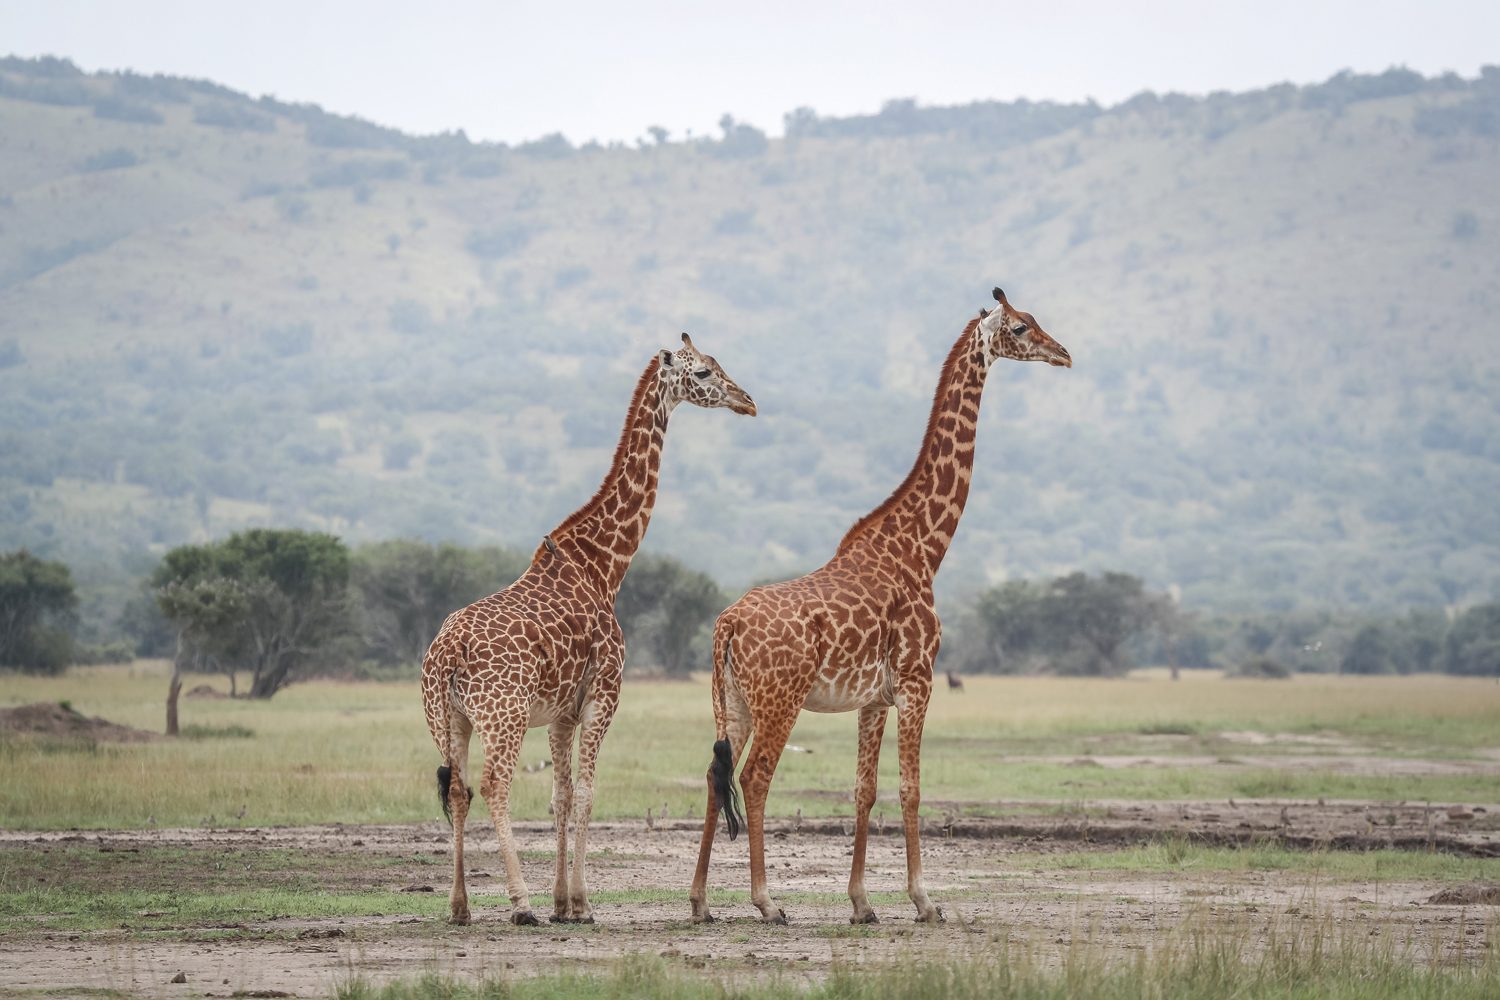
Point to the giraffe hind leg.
(560, 738)
(502, 748)
(445, 781)
(871, 728)
(456, 798)
(755, 782)
(738, 734)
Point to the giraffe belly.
(845, 690)
(543, 714)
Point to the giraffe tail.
(445, 723)
(721, 772)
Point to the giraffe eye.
(702, 373)
(1020, 330)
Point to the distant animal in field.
(955, 682)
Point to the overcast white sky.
(511, 71)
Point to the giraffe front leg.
(502, 746)
(871, 726)
(560, 738)
(911, 711)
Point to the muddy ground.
(992, 878)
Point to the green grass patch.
(1294, 964)
(230, 732)
(77, 909)
(1179, 854)
(360, 753)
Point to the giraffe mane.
(945, 380)
(617, 465)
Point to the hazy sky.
(607, 70)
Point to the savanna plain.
(1320, 836)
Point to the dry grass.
(327, 751)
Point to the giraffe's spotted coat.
(861, 633)
(547, 650)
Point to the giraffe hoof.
(525, 918)
(459, 919)
(933, 916)
(560, 918)
(865, 918)
(779, 920)
(704, 918)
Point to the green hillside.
(217, 311)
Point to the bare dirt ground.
(992, 878)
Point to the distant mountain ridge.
(218, 311)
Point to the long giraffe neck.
(604, 533)
(916, 524)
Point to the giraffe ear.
(983, 312)
(667, 360)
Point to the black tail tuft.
(445, 783)
(723, 777)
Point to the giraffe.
(861, 633)
(548, 651)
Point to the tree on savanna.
(37, 603)
(406, 588)
(1473, 644)
(268, 601)
(665, 610)
(1074, 624)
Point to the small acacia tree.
(268, 601)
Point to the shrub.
(1262, 668)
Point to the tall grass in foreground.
(1282, 963)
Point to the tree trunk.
(270, 677)
(175, 689)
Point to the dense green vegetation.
(219, 312)
(36, 609)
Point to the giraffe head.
(1006, 332)
(690, 377)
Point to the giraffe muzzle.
(742, 403)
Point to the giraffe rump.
(723, 778)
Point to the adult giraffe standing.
(547, 650)
(860, 633)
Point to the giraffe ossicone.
(859, 634)
(548, 650)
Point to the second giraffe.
(859, 634)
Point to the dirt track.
(985, 874)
